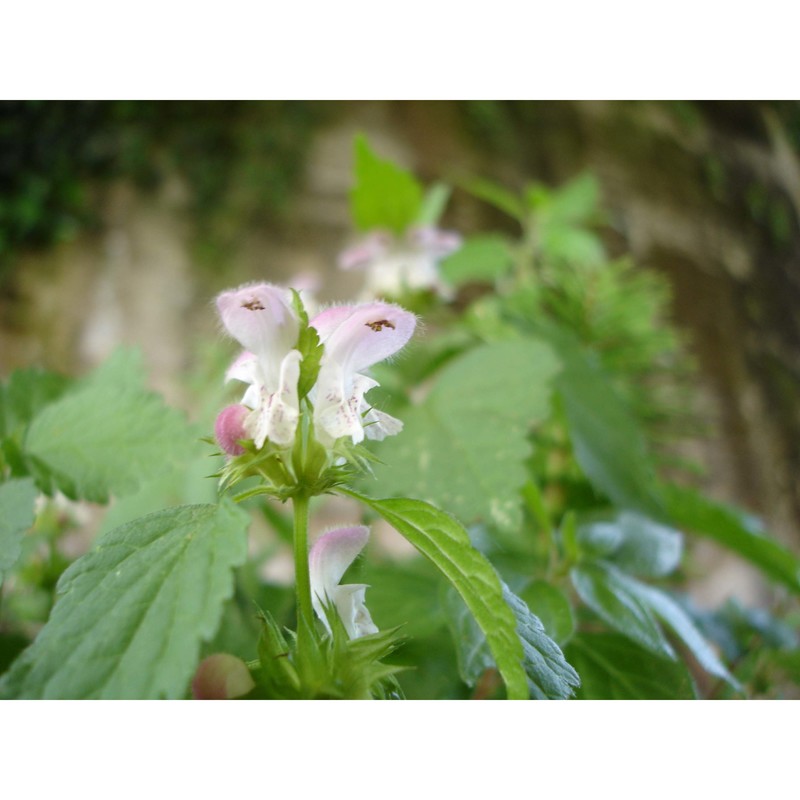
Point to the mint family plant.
(518, 445)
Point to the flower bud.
(221, 677)
(229, 429)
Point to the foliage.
(494, 608)
(67, 445)
(537, 412)
(16, 516)
(464, 446)
(385, 195)
(133, 611)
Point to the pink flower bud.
(229, 428)
(221, 677)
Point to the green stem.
(302, 579)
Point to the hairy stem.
(302, 579)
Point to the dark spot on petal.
(379, 325)
(253, 305)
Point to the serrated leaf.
(108, 436)
(607, 438)
(550, 676)
(551, 606)
(464, 448)
(480, 258)
(735, 531)
(634, 544)
(385, 196)
(16, 516)
(681, 624)
(445, 542)
(614, 668)
(608, 593)
(132, 612)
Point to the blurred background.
(120, 221)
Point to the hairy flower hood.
(355, 338)
(329, 559)
(261, 318)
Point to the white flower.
(329, 559)
(394, 265)
(355, 338)
(261, 318)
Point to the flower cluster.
(265, 321)
(395, 265)
(308, 376)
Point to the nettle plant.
(518, 443)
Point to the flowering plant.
(513, 446)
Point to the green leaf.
(739, 630)
(441, 539)
(734, 530)
(481, 258)
(550, 676)
(16, 516)
(385, 196)
(496, 196)
(607, 438)
(575, 202)
(108, 436)
(187, 483)
(634, 544)
(133, 611)
(25, 394)
(613, 668)
(572, 245)
(434, 204)
(464, 448)
(608, 593)
(647, 548)
(552, 607)
(683, 627)
(472, 651)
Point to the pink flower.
(329, 559)
(408, 263)
(229, 429)
(355, 338)
(261, 318)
